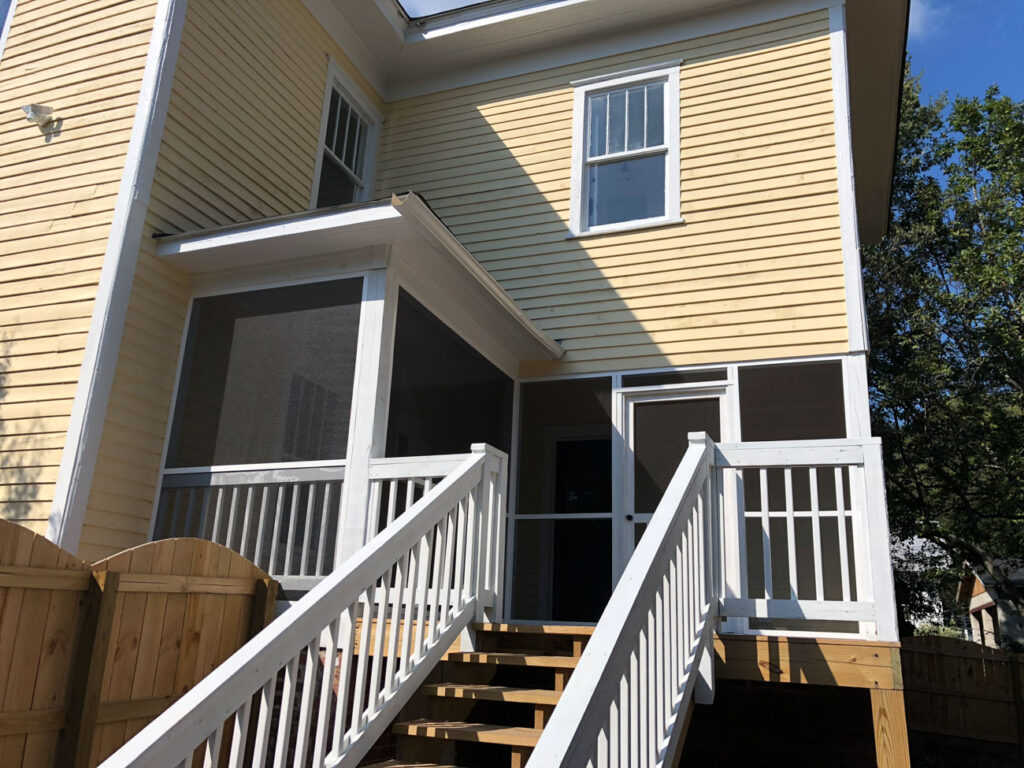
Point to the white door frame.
(623, 402)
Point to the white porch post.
(367, 430)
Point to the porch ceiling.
(401, 234)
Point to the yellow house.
(270, 269)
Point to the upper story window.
(348, 140)
(626, 151)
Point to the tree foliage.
(945, 304)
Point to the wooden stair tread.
(515, 659)
(541, 696)
(537, 629)
(513, 736)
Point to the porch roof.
(401, 234)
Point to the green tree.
(945, 304)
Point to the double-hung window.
(626, 151)
(346, 148)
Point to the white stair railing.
(651, 652)
(320, 684)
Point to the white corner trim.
(667, 71)
(5, 26)
(103, 344)
(338, 77)
(855, 395)
(855, 317)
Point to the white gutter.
(103, 344)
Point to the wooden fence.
(961, 689)
(90, 654)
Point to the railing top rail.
(190, 719)
(262, 467)
(402, 467)
(795, 453)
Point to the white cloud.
(927, 18)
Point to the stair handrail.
(426, 577)
(650, 652)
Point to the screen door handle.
(629, 517)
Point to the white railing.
(650, 653)
(320, 684)
(284, 517)
(398, 483)
(806, 539)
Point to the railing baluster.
(396, 628)
(292, 524)
(409, 605)
(444, 588)
(791, 535)
(324, 515)
(239, 733)
(392, 500)
(383, 594)
(766, 536)
(263, 722)
(311, 655)
(246, 523)
(307, 535)
(326, 688)
(819, 578)
(211, 750)
(284, 722)
(423, 577)
(844, 556)
(276, 538)
(346, 644)
(188, 513)
(261, 529)
(230, 537)
(358, 710)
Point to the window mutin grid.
(342, 170)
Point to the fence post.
(75, 743)
(264, 605)
(1017, 680)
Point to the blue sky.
(964, 46)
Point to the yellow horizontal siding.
(240, 143)
(756, 270)
(57, 196)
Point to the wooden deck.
(828, 662)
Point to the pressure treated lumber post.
(264, 605)
(892, 747)
(75, 742)
(1017, 680)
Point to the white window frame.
(668, 73)
(5, 26)
(338, 79)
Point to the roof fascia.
(368, 64)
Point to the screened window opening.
(342, 168)
(267, 376)
(626, 154)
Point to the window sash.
(625, 152)
(358, 134)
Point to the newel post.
(490, 503)
(704, 691)
(879, 558)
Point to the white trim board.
(855, 318)
(103, 344)
(5, 26)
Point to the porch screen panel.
(267, 376)
(445, 395)
(562, 561)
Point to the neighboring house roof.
(979, 582)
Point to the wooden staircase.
(488, 708)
